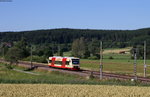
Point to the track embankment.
(81, 72)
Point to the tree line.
(62, 36)
(83, 43)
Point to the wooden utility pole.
(31, 57)
(2, 50)
(3, 53)
(145, 59)
(135, 62)
(101, 60)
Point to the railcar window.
(75, 61)
(50, 61)
(67, 62)
(58, 62)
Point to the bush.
(111, 57)
(93, 57)
(132, 57)
(8, 66)
(40, 59)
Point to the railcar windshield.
(75, 61)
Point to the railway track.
(82, 72)
(119, 76)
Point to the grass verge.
(55, 77)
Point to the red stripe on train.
(64, 62)
(53, 61)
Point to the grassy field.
(119, 64)
(51, 77)
(11, 76)
(47, 90)
(116, 50)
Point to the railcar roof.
(64, 57)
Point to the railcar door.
(64, 62)
(53, 61)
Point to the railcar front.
(75, 62)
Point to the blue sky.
(21, 15)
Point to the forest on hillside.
(83, 43)
(62, 36)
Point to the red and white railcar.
(64, 62)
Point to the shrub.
(8, 66)
(40, 59)
(111, 57)
(93, 57)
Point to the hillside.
(62, 36)
(83, 43)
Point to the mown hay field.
(55, 90)
(117, 50)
